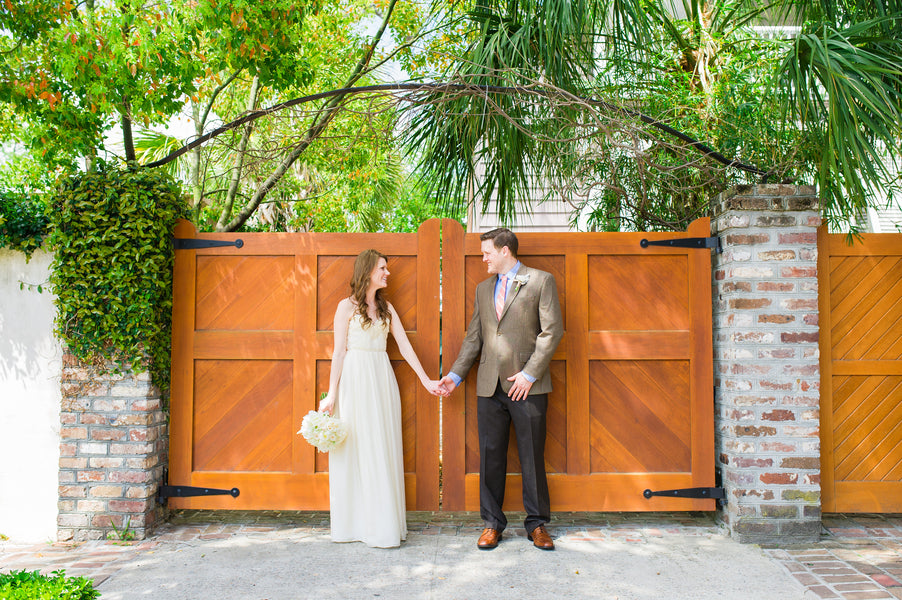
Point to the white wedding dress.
(366, 474)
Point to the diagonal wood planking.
(251, 429)
(866, 429)
(638, 293)
(245, 292)
(861, 395)
(866, 318)
(640, 418)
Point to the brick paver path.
(859, 557)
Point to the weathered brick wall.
(113, 449)
(766, 361)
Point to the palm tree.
(823, 105)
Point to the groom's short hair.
(502, 237)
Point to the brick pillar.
(113, 448)
(766, 368)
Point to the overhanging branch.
(700, 146)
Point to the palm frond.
(493, 135)
(845, 86)
(151, 146)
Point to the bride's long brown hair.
(360, 282)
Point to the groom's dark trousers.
(495, 414)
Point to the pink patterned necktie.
(500, 297)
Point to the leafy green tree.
(488, 144)
(328, 166)
(69, 71)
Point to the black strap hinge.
(699, 492)
(187, 491)
(705, 242)
(195, 244)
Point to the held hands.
(434, 387)
(520, 388)
(327, 404)
(447, 385)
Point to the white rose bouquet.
(323, 431)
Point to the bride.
(366, 473)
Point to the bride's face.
(379, 276)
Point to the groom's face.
(494, 258)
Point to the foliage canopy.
(818, 102)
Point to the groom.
(516, 327)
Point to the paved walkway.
(859, 557)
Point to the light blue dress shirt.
(510, 281)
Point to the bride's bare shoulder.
(346, 306)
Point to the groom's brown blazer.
(524, 339)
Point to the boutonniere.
(521, 280)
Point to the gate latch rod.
(699, 242)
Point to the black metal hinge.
(699, 492)
(187, 491)
(705, 242)
(194, 243)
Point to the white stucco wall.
(30, 365)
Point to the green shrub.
(23, 222)
(25, 585)
(111, 232)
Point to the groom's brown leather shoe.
(489, 538)
(540, 538)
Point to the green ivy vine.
(23, 222)
(111, 232)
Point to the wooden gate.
(632, 406)
(252, 344)
(861, 372)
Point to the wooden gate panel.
(861, 372)
(640, 420)
(555, 422)
(621, 301)
(252, 345)
(632, 406)
(242, 416)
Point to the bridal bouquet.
(323, 431)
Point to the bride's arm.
(340, 325)
(410, 355)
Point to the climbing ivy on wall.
(111, 235)
(23, 222)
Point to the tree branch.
(215, 93)
(479, 90)
(239, 158)
(323, 116)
